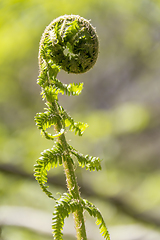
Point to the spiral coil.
(73, 44)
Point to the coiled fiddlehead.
(69, 43)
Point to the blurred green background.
(120, 102)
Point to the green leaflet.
(89, 162)
(64, 206)
(71, 31)
(78, 127)
(49, 158)
(46, 120)
(68, 121)
(68, 89)
(93, 211)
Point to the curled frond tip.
(69, 42)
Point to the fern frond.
(49, 158)
(93, 211)
(78, 127)
(71, 30)
(68, 89)
(74, 89)
(46, 120)
(64, 206)
(53, 69)
(89, 162)
(70, 43)
(49, 69)
(50, 93)
(42, 78)
(68, 121)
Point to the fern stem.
(71, 180)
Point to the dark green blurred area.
(120, 102)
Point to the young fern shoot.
(70, 43)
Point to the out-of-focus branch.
(124, 207)
(29, 218)
(15, 171)
(120, 203)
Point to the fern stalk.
(70, 43)
(72, 184)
